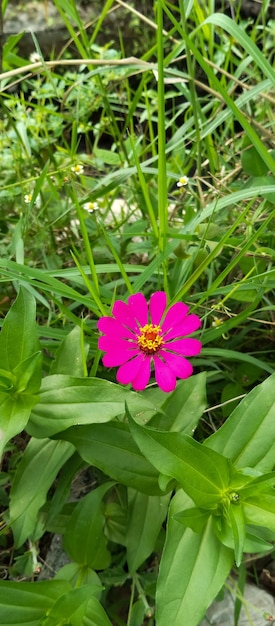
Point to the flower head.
(182, 181)
(90, 207)
(77, 169)
(138, 336)
(35, 57)
(28, 198)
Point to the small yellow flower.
(77, 169)
(217, 321)
(90, 206)
(182, 181)
(28, 198)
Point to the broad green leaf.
(248, 435)
(237, 522)
(183, 408)
(260, 511)
(106, 156)
(193, 518)
(264, 181)
(230, 391)
(111, 448)
(15, 411)
(54, 506)
(255, 540)
(252, 163)
(28, 374)
(73, 572)
(69, 605)
(68, 401)
(256, 486)
(40, 463)
(202, 476)
(27, 603)
(146, 515)
(92, 615)
(18, 338)
(138, 613)
(193, 569)
(116, 513)
(84, 539)
(69, 356)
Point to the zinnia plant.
(137, 337)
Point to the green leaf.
(70, 606)
(236, 519)
(93, 615)
(53, 509)
(193, 569)
(28, 374)
(84, 539)
(111, 448)
(35, 474)
(248, 435)
(27, 603)
(183, 408)
(20, 366)
(263, 181)
(73, 572)
(69, 356)
(18, 338)
(107, 157)
(231, 390)
(15, 411)
(67, 401)
(202, 476)
(145, 517)
(138, 613)
(260, 511)
(254, 540)
(193, 518)
(252, 163)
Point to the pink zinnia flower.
(134, 340)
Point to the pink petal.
(157, 306)
(165, 377)
(185, 347)
(177, 364)
(174, 316)
(130, 370)
(120, 310)
(111, 326)
(187, 326)
(124, 315)
(113, 358)
(139, 308)
(141, 380)
(107, 343)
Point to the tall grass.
(97, 125)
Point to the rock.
(56, 558)
(257, 606)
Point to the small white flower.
(90, 206)
(35, 57)
(28, 198)
(182, 181)
(77, 169)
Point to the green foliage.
(94, 143)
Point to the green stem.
(162, 174)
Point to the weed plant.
(123, 175)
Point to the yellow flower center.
(150, 340)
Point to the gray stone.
(257, 604)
